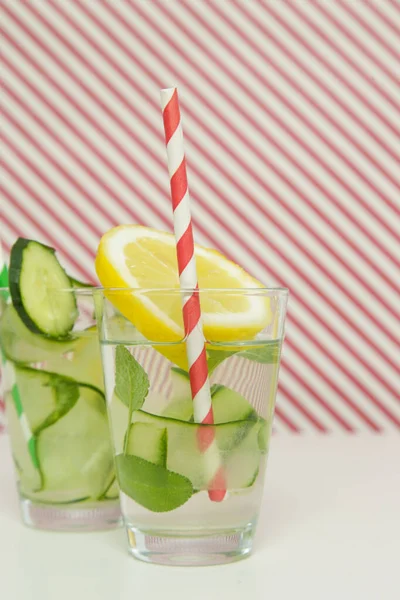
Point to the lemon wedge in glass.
(132, 256)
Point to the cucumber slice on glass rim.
(35, 278)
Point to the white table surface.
(329, 530)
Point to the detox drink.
(170, 468)
(54, 396)
(163, 433)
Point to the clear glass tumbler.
(57, 420)
(190, 492)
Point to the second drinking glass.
(57, 418)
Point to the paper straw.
(9, 374)
(195, 343)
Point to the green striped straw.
(9, 375)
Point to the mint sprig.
(152, 486)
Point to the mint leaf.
(265, 352)
(152, 486)
(131, 381)
(216, 357)
(66, 396)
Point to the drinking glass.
(57, 420)
(190, 492)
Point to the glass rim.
(90, 289)
(86, 289)
(248, 290)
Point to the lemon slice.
(132, 256)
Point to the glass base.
(71, 517)
(191, 548)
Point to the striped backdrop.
(291, 114)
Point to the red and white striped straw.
(195, 345)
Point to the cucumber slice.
(112, 492)
(184, 455)
(20, 345)
(46, 397)
(228, 435)
(119, 422)
(119, 417)
(180, 406)
(29, 477)
(242, 465)
(229, 406)
(181, 410)
(263, 436)
(84, 362)
(155, 403)
(75, 454)
(35, 277)
(147, 441)
(180, 384)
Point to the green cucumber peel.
(103, 495)
(21, 251)
(263, 436)
(67, 395)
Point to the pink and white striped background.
(291, 117)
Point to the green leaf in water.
(261, 352)
(216, 357)
(131, 380)
(152, 486)
(266, 353)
